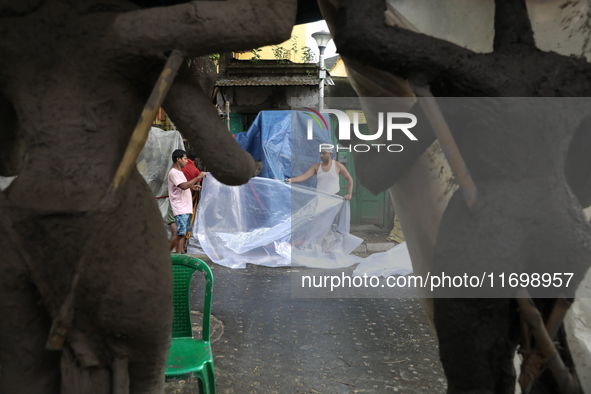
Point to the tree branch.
(512, 26)
(203, 27)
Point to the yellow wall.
(338, 70)
(298, 40)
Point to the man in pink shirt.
(179, 193)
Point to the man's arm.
(191, 183)
(305, 176)
(342, 170)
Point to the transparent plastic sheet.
(395, 261)
(154, 162)
(320, 230)
(267, 222)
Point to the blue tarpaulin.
(279, 140)
(268, 222)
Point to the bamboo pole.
(545, 352)
(448, 144)
(140, 133)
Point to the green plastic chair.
(187, 354)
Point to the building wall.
(338, 70)
(252, 99)
(297, 41)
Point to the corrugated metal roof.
(329, 62)
(296, 80)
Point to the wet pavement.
(268, 342)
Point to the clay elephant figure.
(526, 158)
(85, 265)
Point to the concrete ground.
(265, 341)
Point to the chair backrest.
(183, 267)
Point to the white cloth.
(328, 181)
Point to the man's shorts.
(183, 223)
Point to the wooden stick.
(120, 371)
(545, 347)
(557, 316)
(193, 218)
(63, 321)
(448, 144)
(140, 133)
(437, 121)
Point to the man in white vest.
(327, 172)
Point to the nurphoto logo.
(393, 123)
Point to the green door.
(235, 123)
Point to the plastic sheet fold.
(267, 222)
